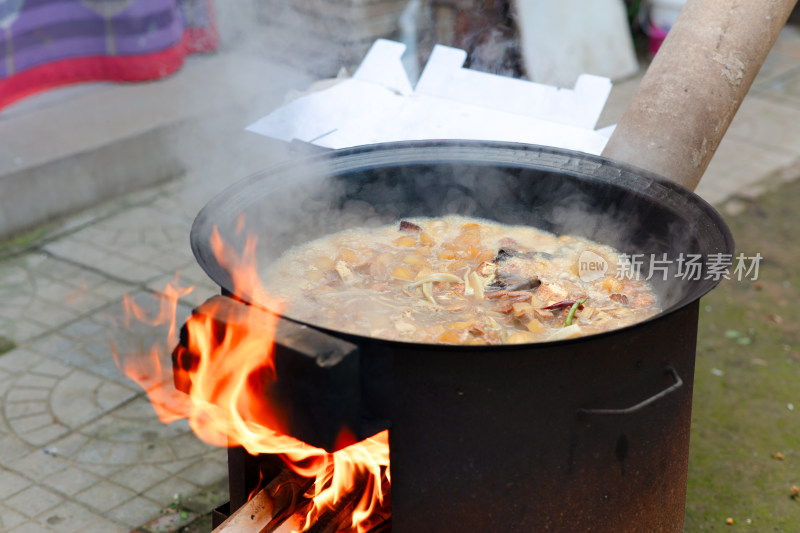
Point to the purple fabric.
(59, 11)
(91, 46)
(35, 32)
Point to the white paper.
(378, 104)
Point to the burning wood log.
(270, 506)
(283, 505)
(339, 517)
(288, 493)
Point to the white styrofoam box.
(379, 104)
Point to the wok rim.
(201, 250)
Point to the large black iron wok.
(556, 190)
(576, 435)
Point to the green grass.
(749, 334)
(6, 345)
(23, 240)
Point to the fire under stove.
(316, 389)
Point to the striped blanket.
(47, 43)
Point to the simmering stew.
(458, 280)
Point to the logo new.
(591, 266)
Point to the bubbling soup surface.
(457, 280)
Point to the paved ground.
(80, 447)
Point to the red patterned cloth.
(48, 43)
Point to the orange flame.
(223, 406)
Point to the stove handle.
(644, 403)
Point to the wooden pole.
(695, 85)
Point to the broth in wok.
(457, 280)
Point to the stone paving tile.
(70, 481)
(147, 438)
(35, 381)
(188, 445)
(785, 89)
(135, 512)
(105, 526)
(128, 446)
(40, 293)
(6, 381)
(10, 519)
(11, 483)
(173, 467)
(18, 361)
(67, 518)
(185, 198)
(770, 125)
(739, 161)
(212, 471)
(67, 446)
(38, 464)
(158, 453)
(191, 276)
(12, 448)
(33, 501)
(171, 489)
(49, 399)
(781, 61)
(89, 342)
(82, 397)
(148, 225)
(42, 435)
(101, 470)
(104, 496)
(137, 245)
(26, 395)
(31, 527)
(141, 477)
(93, 453)
(124, 454)
(30, 411)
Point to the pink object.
(662, 15)
(656, 37)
